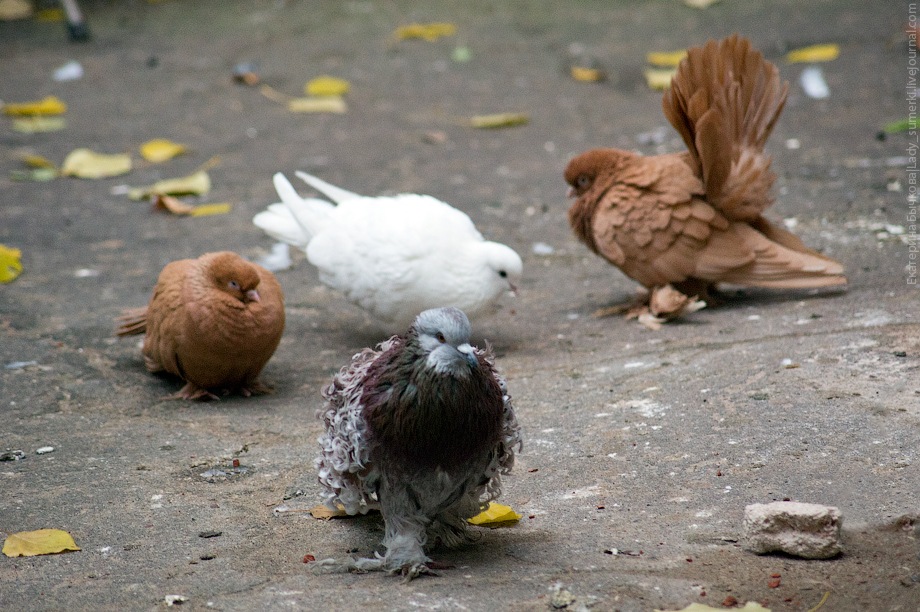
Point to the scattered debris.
(175, 600)
(40, 542)
(13, 10)
(461, 54)
(325, 104)
(246, 73)
(18, 365)
(44, 450)
(810, 531)
(813, 83)
(700, 4)
(561, 598)
(750, 606)
(542, 248)
(38, 124)
(12, 455)
(210, 534)
(71, 71)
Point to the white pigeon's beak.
(470, 353)
(253, 296)
(512, 289)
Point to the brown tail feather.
(132, 322)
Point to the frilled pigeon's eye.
(440, 337)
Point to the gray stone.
(811, 531)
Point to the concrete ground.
(641, 448)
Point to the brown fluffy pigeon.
(694, 219)
(213, 321)
(422, 429)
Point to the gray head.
(444, 335)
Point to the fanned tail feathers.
(132, 322)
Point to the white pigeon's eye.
(440, 337)
(503, 274)
(234, 285)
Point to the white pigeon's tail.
(294, 220)
(336, 194)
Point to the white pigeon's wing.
(336, 194)
(393, 256)
(343, 465)
(295, 220)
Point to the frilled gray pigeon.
(422, 429)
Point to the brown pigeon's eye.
(440, 338)
(234, 285)
(583, 181)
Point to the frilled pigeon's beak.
(470, 353)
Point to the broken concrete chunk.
(811, 531)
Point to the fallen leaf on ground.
(326, 86)
(10, 265)
(197, 183)
(38, 124)
(48, 106)
(11, 10)
(50, 15)
(325, 513)
(814, 53)
(750, 606)
(495, 516)
(425, 31)
(41, 542)
(170, 204)
(84, 163)
(37, 161)
(499, 120)
(581, 73)
(700, 4)
(38, 175)
(901, 125)
(325, 104)
(207, 210)
(659, 78)
(159, 150)
(665, 59)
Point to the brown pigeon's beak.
(571, 193)
(253, 296)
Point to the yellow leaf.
(659, 78)
(496, 515)
(41, 542)
(37, 161)
(587, 74)
(11, 10)
(425, 31)
(814, 53)
(325, 513)
(197, 183)
(499, 120)
(326, 86)
(665, 59)
(50, 15)
(750, 606)
(325, 104)
(38, 124)
(206, 210)
(84, 163)
(159, 150)
(49, 106)
(10, 266)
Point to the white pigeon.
(393, 256)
